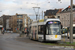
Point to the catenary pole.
(71, 23)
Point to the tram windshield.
(53, 28)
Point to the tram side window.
(40, 29)
(47, 30)
(35, 31)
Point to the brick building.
(13, 23)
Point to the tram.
(66, 32)
(45, 30)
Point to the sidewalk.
(67, 40)
(23, 35)
(1, 34)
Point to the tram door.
(44, 34)
(41, 31)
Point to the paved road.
(12, 42)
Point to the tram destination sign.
(42, 20)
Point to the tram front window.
(53, 29)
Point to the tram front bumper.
(53, 38)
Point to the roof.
(45, 21)
(68, 9)
(52, 12)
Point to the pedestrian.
(3, 32)
(28, 33)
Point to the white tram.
(45, 30)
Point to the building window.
(19, 16)
(58, 16)
(19, 21)
(25, 20)
(73, 8)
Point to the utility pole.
(37, 14)
(71, 23)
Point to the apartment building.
(14, 22)
(64, 16)
(19, 21)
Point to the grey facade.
(64, 16)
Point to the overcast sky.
(11, 7)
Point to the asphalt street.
(12, 42)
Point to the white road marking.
(64, 47)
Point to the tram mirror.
(61, 26)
